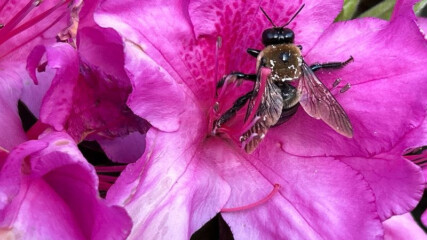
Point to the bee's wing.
(319, 103)
(269, 112)
(257, 92)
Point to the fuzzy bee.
(274, 98)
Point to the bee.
(274, 97)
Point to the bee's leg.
(237, 105)
(253, 52)
(333, 65)
(239, 75)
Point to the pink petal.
(313, 200)
(87, 94)
(57, 102)
(156, 96)
(12, 132)
(397, 183)
(103, 48)
(172, 190)
(47, 183)
(126, 149)
(402, 227)
(169, 41)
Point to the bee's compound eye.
(285, 56)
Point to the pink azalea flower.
(23, 24)
(49, 191)
(314, 183)
(88, 88)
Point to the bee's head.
(277, 35)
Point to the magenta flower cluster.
(139, 77)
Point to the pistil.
(255, 204)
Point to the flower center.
(234, 112)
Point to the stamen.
(255, 204)
(336, 82)
(37, 2)
(226, 83)
(42, 31)
(217, 47)
(345, 88)
(216, 106)
(16, 20)
(12, 32)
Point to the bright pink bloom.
(88, 88)
(24, 24)
(49, 191)
(331, 187)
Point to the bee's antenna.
(269, 19)
(299, 10)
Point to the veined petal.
(54, 167)
(172, 190)
(311, 203)
(155, 96)
(57, 102)
(396, 192)
(12, 132)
